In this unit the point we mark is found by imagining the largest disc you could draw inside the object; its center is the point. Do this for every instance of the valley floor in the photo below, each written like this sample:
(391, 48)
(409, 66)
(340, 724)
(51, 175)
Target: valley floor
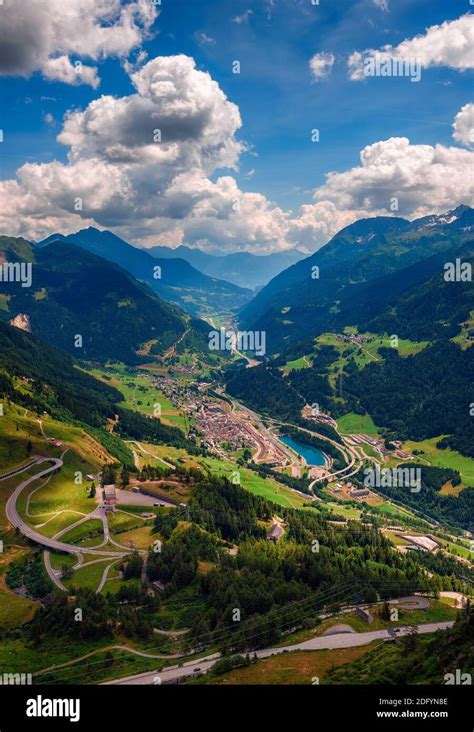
(85, 542)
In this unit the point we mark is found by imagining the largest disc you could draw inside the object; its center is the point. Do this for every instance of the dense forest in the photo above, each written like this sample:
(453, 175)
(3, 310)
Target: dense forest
(76, 292)
(425, 395)
(273, 587)
(426, 311)
(455, 512)
(267, 389)
(264, 389)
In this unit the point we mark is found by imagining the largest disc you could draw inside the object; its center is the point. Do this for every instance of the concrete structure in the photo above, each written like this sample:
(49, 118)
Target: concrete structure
(160, 498)
(364, 614)
(360, 493)
(422, 542)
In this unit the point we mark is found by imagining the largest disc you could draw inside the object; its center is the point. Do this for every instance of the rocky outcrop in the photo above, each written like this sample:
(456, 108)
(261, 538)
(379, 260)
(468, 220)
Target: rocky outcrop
(21, 321)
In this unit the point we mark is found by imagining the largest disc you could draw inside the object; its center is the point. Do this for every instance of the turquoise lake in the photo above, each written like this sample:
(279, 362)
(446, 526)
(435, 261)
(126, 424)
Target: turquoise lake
(310, 454)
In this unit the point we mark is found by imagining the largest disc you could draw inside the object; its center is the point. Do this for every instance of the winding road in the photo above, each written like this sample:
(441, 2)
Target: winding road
(338, 640)
(17, 522)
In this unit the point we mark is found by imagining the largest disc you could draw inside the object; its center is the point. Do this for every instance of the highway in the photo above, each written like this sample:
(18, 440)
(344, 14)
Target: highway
(54, 575)
(339, 640)
(17, 522)
(347, 451)
(21, 469)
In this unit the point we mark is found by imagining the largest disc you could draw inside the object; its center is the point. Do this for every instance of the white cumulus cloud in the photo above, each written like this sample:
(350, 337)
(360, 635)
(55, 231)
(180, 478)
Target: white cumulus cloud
(382, 4)
(450, 44)
(154, 165)
(141, 164)
(52, 36)
(204, 39)
(422, 178)
(321, 65)
(244, 18)
(394, 178)
(317, 223)
(464, 125)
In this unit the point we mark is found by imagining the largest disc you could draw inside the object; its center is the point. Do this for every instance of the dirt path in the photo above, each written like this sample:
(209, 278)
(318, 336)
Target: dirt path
(172, 350)
(104, 577)
(155, 457)
(127, 649)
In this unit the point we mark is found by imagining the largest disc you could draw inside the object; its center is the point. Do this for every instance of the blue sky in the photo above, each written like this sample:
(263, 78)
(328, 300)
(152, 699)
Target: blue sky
(279, 101)
(279, 105)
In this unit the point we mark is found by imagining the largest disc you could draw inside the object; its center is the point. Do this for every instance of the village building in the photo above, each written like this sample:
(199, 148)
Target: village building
(360, 493)
(276, 532)
(110, 496)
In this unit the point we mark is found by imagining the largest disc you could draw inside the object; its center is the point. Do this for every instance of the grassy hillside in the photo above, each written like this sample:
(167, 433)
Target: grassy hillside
(22, 434)
(43, 379)
(414, 660)
(139, 393)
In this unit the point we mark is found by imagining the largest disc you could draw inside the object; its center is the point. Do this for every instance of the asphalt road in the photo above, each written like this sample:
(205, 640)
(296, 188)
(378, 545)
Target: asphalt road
(16, 520)
(21, 469)
(54, 575)
(340, 640)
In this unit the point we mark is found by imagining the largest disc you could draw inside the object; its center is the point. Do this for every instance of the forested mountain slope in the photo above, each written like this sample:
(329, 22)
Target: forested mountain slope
(365, 262)
(88, 306)
(43, 378)
(176, 281)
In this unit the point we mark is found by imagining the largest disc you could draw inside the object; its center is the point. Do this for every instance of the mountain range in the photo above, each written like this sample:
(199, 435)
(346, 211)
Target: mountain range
(90, 307)
(389, 280)
(244, 269)
(174, 279)
(354, 276)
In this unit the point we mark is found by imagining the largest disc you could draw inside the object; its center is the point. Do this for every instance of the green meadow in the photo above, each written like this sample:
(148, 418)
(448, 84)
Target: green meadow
(443, 458)
(352, 423)
(140, 395)
(266, 487)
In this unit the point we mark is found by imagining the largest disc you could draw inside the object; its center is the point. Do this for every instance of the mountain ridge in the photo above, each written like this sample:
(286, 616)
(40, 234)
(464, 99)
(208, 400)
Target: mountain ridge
(174, 279)
(302, 299)
(244, 269)
(76, 293)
